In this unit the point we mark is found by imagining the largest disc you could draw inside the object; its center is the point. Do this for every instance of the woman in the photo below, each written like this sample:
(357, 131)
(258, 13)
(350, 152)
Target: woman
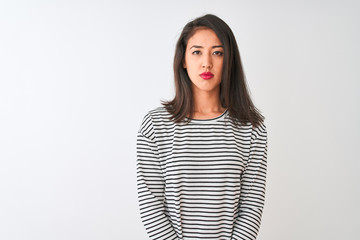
(201, 158)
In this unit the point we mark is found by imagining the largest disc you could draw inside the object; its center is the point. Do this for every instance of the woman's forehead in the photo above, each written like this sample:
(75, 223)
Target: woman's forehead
(204, 37)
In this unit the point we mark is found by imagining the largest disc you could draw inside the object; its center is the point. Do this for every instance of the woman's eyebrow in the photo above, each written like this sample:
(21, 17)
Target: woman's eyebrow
(196, 46)
(216, 46)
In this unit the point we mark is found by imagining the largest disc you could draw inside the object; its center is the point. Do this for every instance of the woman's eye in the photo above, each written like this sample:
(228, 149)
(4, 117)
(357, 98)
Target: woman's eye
(196, 52)
(218, 53)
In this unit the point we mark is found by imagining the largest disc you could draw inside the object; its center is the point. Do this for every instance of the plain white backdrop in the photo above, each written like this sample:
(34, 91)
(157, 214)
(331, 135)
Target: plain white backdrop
(77, 77)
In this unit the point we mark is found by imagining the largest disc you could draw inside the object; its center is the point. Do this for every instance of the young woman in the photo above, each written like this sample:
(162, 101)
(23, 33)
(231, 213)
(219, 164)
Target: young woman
(201, 158)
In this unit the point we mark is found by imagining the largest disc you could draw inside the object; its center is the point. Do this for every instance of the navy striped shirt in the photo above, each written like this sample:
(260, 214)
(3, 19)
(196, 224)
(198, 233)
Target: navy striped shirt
(202, 180)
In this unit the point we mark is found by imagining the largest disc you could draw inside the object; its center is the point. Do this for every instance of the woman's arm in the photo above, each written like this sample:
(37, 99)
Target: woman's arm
(151, 185)
(252, 195)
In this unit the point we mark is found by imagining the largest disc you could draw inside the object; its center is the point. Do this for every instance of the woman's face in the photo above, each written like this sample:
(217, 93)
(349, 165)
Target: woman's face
(204, 60)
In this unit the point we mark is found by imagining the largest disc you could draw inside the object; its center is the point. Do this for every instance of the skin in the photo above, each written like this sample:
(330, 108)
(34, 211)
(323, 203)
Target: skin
(204, 53)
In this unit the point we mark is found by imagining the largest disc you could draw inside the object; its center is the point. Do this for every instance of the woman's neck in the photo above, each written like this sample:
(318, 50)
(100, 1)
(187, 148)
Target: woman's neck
(207, 102)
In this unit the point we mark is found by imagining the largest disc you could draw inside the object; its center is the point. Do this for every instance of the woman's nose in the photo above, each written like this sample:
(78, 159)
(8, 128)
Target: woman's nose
(207, 64)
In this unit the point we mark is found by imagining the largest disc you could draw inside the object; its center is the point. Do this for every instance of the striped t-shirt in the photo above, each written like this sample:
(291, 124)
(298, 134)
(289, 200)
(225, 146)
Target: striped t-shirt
(201, 180)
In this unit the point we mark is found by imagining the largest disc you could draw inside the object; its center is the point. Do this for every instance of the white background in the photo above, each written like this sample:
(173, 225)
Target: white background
(77, 77)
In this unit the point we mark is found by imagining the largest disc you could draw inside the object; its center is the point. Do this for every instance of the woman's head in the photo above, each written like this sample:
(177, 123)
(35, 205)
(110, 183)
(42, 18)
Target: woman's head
(234, 94)
(203, 62)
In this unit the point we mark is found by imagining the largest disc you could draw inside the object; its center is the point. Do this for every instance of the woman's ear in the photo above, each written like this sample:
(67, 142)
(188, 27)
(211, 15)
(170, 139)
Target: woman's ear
(184, 64)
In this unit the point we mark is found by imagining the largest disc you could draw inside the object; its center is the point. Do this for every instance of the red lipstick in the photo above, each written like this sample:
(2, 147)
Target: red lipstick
(206, 75)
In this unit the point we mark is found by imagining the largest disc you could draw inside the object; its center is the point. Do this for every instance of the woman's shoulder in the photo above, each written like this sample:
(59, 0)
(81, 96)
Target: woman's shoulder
(154, 115)
(158, 111)
(157, 114)
(153, 120)
(259, 130)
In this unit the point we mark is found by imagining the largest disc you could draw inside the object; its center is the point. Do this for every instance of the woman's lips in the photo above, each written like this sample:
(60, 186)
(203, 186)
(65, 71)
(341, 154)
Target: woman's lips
(206, 75)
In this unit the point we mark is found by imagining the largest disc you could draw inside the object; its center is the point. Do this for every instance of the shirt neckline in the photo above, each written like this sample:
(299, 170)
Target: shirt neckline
(209, 119)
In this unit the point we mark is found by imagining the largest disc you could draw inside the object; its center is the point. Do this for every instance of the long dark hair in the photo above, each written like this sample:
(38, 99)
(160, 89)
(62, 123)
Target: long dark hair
(234, 94)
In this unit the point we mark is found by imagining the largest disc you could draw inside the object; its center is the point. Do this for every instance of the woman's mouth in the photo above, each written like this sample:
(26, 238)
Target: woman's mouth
(206, 75)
